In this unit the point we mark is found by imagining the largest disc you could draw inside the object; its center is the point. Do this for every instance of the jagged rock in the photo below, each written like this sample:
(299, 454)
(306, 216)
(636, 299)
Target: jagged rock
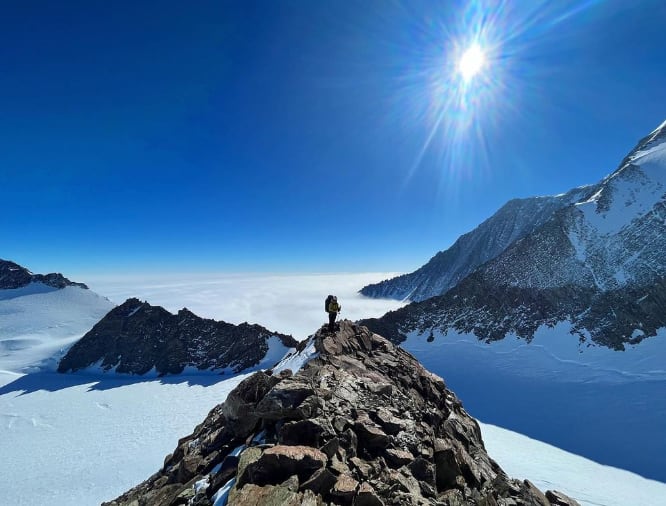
(269, 495)
(13, 276)
(351, 448)
(558, 499)
(281, 461)
(136, 337)
(305, 432)
(366, 496)
(320, 482)
(344, 488)
(240, 406)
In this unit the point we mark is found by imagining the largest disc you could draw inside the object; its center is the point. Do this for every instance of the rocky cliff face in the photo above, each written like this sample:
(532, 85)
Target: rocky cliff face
(361, 424)
(136, 337)
(13, 276)
(516, 219)
(597, 263)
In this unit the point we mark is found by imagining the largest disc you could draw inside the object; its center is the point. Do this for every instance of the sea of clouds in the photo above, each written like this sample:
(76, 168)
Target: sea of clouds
(291, 304)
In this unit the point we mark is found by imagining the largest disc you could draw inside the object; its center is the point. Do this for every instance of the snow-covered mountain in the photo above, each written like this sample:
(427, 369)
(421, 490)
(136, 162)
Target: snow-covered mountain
(605, 236)
(137, 337)
(597, 263)
(516, 219)
(13, 276)
(43, 314)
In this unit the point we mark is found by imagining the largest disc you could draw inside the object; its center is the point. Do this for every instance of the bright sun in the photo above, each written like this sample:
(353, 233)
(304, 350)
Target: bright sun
(471, 62)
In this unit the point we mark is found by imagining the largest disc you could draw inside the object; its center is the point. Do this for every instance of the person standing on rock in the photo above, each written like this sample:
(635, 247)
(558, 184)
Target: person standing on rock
(332, 308)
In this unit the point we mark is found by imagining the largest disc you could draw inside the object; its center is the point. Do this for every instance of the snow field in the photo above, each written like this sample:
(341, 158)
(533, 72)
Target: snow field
(77, 439)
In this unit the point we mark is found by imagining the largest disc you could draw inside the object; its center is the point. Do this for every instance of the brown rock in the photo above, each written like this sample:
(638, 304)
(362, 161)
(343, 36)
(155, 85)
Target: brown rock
(422, 470)
(366, 496)
(344, 488)
(239, 408)
(321, 482)
(389, 423)
(398, 458)
(278, 463)
(538, 498)
(283, 400)
(559, 499)
(304, 432)
(331, 447)
(370, 435)
(253, 495)
(378, 417)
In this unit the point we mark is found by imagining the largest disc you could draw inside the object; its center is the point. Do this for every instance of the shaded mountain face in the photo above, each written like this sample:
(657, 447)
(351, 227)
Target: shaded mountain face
(13, 276)
(516, 219)
(136, 337)
(597, 263)
(608, 235)
(363, 423)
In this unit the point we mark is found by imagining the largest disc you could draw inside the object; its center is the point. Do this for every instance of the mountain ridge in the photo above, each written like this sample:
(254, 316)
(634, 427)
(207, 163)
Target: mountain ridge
(13, 275)
(584, 213)
(448, 267)
(136, 337)
(361, 422)
(597, 263)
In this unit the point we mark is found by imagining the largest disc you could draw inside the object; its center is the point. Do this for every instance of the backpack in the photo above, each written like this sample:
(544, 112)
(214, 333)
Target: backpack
(329, 299)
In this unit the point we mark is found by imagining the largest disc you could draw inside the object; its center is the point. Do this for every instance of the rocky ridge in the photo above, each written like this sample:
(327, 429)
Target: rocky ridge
(136, 337)
(515, 220)
(13, 276)
(362, 423)
(597, 264)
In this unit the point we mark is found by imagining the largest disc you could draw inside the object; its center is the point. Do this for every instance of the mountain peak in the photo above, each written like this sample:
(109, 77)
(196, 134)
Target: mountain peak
(13, 276)
(361, 423)
(137, 337)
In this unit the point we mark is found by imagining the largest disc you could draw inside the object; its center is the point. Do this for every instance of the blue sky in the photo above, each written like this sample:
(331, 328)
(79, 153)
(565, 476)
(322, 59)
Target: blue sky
(304, 136)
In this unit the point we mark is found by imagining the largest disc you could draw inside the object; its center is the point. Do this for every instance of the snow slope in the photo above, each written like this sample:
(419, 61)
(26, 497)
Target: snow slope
(77, 439)
(39, 320)
(591, 484)
(606, 405)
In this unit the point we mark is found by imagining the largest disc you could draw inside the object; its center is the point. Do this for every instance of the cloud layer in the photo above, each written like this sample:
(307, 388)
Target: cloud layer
(292, 304)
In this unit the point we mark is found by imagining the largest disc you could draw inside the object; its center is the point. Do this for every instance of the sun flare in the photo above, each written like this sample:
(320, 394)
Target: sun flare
(471, 62)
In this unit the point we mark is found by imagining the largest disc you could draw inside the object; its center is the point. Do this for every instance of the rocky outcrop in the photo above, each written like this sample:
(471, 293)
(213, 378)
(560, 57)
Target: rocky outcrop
(14, 276)
(613, 318)
(136, 337)
(361, 424)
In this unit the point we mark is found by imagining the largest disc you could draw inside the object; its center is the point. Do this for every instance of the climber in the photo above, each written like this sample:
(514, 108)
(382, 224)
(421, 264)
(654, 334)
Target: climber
(332, 308)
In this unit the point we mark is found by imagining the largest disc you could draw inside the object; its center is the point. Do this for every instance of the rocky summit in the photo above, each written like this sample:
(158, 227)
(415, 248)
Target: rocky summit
(13, 276)
(136, 337)
(362, 423)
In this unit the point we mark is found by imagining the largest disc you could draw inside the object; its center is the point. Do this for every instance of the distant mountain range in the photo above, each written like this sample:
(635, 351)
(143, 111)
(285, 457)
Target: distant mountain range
(593, 257)
(13, 276)
(41, 314)
(136, 338)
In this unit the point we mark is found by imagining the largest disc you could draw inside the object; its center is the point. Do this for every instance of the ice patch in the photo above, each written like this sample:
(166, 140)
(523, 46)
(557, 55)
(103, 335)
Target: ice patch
(295, 361)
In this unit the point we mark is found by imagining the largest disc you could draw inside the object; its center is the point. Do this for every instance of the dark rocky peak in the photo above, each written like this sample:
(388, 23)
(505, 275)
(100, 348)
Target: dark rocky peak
(137, 337)
(12, 276)
(361, 424)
